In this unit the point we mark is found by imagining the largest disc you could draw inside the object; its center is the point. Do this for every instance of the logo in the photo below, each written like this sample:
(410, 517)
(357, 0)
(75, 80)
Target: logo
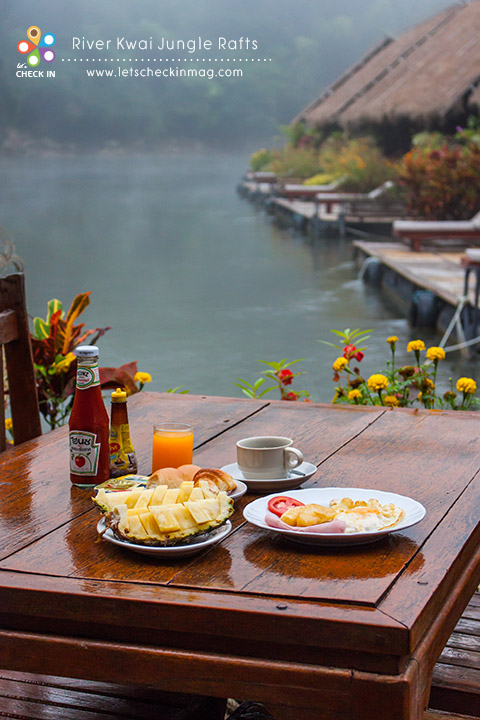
(37, 47)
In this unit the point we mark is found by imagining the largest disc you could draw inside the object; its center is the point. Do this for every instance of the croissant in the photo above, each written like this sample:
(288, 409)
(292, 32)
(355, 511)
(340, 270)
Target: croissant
(216, 479)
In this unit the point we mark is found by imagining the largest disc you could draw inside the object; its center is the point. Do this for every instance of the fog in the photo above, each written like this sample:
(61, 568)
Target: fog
(290, 50)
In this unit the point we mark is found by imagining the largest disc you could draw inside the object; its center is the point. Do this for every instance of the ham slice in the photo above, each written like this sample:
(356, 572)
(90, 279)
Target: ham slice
(334, 526)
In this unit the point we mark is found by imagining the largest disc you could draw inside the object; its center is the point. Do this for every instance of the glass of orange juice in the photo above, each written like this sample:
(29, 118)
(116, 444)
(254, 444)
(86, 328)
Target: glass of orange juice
(172, 445)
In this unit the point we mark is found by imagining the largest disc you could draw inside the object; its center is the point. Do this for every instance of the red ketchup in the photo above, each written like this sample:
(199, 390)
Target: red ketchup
(88, 424)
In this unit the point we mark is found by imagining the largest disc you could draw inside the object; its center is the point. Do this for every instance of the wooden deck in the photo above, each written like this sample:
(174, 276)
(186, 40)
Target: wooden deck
(456, 677)
(439, 272)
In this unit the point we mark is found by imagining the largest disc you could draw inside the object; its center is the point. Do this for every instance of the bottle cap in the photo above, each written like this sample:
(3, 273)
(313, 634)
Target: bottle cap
(119, 395)
(86, 351)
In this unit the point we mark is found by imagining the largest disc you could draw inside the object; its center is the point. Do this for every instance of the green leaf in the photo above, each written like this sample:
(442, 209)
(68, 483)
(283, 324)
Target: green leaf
(54, 306)
(41, 330)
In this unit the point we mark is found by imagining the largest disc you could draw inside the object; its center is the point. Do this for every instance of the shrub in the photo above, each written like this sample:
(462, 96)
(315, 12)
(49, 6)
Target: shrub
(444, 183)
(260, 159)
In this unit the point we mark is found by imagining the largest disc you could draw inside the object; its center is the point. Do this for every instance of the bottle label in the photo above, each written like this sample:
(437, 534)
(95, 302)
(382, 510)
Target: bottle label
(84, 452)
(87, 377)
(122, 454)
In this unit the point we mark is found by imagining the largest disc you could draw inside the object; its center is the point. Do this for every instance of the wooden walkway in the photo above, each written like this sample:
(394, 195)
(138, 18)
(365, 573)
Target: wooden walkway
(456, 678)
(440, 272)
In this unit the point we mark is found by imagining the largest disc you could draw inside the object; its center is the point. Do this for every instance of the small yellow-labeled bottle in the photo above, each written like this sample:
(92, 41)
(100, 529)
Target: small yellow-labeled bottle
(123, 460)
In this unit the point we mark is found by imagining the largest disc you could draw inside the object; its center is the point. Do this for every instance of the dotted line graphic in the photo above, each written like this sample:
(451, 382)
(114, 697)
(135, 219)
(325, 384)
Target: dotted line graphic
(167, 60)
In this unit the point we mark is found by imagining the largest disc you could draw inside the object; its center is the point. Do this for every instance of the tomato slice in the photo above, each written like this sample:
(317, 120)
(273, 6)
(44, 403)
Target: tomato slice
(280, 503)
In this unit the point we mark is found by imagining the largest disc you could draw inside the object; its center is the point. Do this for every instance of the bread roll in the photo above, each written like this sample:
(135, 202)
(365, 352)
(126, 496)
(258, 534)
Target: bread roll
(217, 479)
(189, 471)
(166, 476)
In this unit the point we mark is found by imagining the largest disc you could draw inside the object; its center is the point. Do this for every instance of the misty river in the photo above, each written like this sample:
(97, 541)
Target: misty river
(196, 283)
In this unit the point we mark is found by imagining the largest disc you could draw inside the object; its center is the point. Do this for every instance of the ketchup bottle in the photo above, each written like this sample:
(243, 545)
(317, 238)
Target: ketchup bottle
(88, 424)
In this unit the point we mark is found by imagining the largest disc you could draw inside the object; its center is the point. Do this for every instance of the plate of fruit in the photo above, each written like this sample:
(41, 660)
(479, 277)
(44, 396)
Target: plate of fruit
(163, 517)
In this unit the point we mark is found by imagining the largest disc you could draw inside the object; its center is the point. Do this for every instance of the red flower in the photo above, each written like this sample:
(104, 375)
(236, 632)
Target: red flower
(306, 400)
(349, 351)
(291, 396)
(359, 356)
(285, 376)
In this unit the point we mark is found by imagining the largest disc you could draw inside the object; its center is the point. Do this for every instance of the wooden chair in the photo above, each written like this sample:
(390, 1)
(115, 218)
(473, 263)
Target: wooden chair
(15, 339)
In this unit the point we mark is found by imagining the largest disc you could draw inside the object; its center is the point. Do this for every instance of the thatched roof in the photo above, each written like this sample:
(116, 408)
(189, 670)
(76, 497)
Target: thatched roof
(430, 70)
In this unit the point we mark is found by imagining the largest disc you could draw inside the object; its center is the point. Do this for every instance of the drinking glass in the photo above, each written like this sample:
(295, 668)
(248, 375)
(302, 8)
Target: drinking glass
(172, 445)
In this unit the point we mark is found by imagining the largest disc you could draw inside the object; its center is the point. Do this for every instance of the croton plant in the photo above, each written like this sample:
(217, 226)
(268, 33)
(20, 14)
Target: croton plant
(54, 340)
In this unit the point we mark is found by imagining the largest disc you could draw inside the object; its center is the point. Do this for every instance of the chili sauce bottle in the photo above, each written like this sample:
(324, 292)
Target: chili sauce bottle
(88, 424)
(123, 460)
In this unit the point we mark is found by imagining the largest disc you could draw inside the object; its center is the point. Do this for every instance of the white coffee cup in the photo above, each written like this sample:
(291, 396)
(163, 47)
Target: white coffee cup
(267, 457)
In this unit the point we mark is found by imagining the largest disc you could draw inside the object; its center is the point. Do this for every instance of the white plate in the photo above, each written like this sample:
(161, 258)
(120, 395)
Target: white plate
(239, 491)
(292, 481)
(176, 551)
(255, 511)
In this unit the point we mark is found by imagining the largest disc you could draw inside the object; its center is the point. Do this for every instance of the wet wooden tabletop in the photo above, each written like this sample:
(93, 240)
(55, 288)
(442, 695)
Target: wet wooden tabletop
(324, 630)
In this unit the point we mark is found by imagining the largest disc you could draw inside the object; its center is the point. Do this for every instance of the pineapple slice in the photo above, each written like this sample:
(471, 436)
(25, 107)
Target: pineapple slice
(150, 525)
(136, 529)
(185, 491)
(166, 520)
(158, 495)
(207, 492)
(106, 501)
(144, 499)
(197, 511)
(184, 518)
(171, 496)
(197, 494)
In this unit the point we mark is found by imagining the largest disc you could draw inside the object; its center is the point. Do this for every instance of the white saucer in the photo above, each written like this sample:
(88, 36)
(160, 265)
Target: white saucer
(293, 480)
(239, 491)
(195, 546)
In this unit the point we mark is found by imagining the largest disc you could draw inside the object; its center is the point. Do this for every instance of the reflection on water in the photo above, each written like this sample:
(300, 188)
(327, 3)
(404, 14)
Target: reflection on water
(197, 283)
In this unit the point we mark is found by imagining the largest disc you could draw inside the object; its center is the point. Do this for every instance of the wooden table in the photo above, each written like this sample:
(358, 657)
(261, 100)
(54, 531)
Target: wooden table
(315, 633)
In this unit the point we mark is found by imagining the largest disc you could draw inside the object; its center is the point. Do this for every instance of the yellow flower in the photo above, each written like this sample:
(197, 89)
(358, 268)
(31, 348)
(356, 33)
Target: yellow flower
(392, 340)
(354, 394)
(429, 384)
(435, 353)
(339, 364)
(142, 377)
(466, 385)
(391, 401)
(377, 382)
(8, 424)
(415, 345)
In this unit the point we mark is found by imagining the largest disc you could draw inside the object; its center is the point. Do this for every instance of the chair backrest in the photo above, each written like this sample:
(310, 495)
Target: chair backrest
(15, 339)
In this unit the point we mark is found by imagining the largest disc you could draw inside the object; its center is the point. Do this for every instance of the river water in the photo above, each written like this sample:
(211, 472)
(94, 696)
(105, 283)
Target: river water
(196, 282)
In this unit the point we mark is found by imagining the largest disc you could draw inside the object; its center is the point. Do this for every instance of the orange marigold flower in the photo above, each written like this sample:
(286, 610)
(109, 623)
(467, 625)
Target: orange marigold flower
(466, 385)
(377, 382)
(435, 353)
(415, 345)
(391, 401)
(339, 364)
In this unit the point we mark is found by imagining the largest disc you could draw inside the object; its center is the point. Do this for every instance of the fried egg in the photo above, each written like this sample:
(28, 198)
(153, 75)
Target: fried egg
(370, 519)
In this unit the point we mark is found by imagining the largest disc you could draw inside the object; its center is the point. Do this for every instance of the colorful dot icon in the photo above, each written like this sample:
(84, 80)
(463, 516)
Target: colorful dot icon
(37, 46)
